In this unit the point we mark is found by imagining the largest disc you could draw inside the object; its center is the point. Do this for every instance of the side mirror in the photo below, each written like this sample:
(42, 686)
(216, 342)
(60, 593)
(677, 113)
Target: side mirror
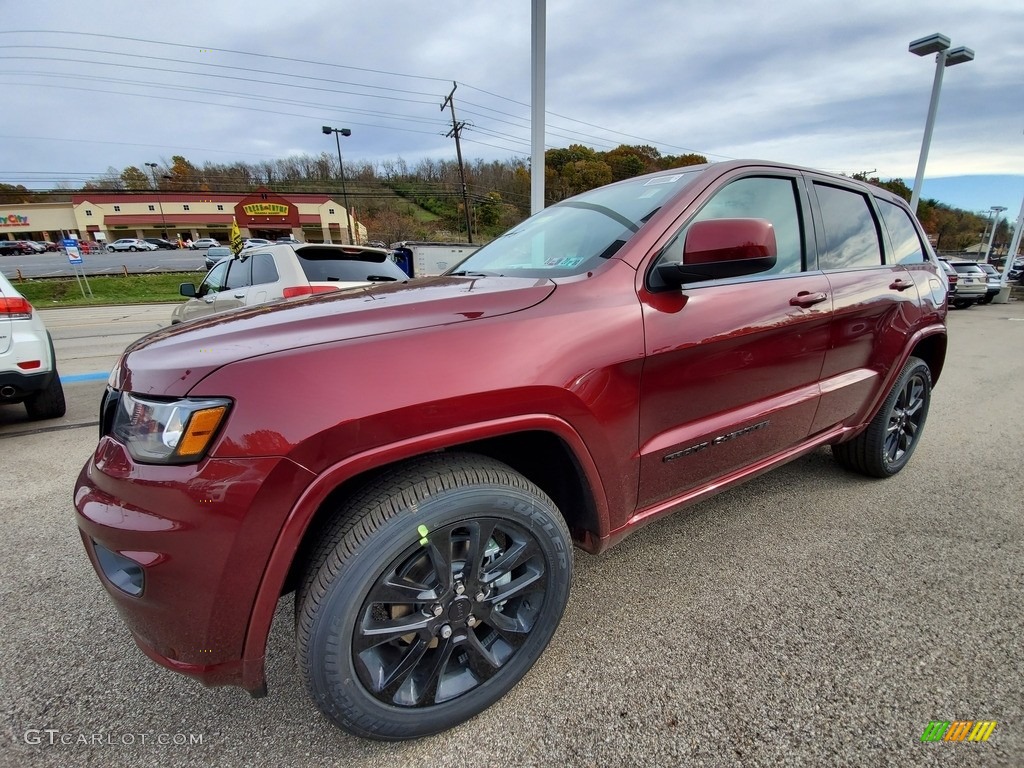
(187, 289)
(723, 248)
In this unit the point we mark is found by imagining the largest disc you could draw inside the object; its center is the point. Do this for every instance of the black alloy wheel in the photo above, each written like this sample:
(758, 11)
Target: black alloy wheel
(432, 595)
(885, 447)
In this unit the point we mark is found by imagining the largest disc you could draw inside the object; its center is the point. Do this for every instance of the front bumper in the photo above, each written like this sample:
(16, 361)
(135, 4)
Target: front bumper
(201, 536)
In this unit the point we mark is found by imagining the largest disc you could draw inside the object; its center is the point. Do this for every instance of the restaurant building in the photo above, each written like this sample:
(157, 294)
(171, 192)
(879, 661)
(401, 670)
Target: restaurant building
(108, 216)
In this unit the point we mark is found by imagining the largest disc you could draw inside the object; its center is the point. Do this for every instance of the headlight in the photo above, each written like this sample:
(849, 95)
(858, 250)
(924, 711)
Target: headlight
(168, 431)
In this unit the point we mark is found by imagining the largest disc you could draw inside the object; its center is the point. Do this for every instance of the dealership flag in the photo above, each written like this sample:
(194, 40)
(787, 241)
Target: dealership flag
(236, 237)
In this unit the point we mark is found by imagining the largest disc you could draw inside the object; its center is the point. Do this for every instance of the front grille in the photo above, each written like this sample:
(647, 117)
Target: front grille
(108, 409)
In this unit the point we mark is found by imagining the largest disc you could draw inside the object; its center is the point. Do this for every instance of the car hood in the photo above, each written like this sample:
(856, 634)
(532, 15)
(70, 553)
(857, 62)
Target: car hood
(173, 360)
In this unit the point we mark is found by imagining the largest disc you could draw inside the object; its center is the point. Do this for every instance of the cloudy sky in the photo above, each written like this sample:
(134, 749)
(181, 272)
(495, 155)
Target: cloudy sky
(820, 83)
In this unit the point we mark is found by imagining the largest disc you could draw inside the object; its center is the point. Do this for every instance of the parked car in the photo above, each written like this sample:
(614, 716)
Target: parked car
(283, 272)
(48, 245)
(161, 243)
(972, 284)
(28, 366)
(416, 459)
(255, 242)
(951, 280)
(216, 253)
(12, 247)
(203, 242)
(994, 284)
(287, 239)
(130, 244)
(35, 247)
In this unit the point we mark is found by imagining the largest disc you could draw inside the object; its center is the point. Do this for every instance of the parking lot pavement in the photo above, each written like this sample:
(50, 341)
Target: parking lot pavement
(810, 617)
(88, 340)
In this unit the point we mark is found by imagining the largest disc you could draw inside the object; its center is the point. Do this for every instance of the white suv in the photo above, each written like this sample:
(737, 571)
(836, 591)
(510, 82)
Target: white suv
(131, 244)
(28, 367)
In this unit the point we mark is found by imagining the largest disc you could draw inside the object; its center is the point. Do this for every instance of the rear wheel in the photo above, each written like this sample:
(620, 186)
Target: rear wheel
(431, 595)
(885, 447)
(47, 403)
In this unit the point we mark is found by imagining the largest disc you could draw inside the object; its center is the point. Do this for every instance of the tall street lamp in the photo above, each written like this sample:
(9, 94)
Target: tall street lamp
(163, 221)
(996, 210)
(939, 45)
(341, 166)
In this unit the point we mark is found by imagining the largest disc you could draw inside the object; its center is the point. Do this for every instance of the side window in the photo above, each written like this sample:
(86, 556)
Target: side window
(239, 273)
(851, 235)
(756, 197)
(263, 269)
(906, 244)
(215, 281)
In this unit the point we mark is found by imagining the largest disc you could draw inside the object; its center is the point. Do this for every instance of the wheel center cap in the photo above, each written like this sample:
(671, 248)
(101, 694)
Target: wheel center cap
(460, 609)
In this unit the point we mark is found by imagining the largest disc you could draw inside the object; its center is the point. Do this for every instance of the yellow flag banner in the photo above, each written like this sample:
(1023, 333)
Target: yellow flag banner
(236, 237)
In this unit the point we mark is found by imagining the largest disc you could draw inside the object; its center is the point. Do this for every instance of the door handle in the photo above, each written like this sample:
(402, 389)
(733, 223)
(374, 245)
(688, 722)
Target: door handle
(210, 299)
(239, 295)
(807, 299)
(901, 285)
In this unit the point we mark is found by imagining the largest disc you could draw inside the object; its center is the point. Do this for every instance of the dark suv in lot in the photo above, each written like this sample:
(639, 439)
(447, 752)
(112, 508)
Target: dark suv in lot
(416, 460)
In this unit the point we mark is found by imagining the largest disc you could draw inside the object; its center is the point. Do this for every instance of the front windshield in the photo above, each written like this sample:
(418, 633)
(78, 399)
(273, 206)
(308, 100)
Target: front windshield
(574, 236)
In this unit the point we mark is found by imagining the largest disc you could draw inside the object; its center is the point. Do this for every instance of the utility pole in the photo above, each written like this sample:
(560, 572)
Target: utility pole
(455, 131)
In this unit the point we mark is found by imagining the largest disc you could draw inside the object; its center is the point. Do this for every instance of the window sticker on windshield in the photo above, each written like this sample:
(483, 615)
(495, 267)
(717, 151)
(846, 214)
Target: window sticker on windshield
(664, 180)
(565, 262)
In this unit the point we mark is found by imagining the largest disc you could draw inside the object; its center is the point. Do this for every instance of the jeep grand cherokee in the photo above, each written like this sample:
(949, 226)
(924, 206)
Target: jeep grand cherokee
(416, 459)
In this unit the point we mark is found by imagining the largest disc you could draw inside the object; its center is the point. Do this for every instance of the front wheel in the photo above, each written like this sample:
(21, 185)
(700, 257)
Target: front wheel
(885, 447)
(431, 595)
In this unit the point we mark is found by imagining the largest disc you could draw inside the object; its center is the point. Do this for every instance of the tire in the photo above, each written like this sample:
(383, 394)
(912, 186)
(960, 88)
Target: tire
(47, 403)
(885, 447)
(430, 595)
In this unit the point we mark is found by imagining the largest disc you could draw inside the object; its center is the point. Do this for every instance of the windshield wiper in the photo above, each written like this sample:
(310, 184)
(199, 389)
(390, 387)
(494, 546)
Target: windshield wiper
(464, 273)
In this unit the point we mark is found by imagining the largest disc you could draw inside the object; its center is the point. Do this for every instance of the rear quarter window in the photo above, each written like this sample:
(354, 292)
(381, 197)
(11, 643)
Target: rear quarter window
(906, 245)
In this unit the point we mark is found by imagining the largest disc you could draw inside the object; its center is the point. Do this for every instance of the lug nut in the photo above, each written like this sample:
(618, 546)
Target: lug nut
(471, 621)
(459, 588)
(437, 610)
(446, 631)
(480, 597)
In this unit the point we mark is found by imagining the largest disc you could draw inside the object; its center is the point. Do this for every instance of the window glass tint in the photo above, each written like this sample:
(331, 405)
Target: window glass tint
(906, 245)
(968, 269)
(263, 269)
(851, 238)
(774, 199)
(214, 281)
(239, 273)
(325, 267)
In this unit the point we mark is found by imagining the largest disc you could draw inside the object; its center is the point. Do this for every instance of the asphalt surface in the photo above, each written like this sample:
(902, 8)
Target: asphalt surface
(55, 263)
(810, 617)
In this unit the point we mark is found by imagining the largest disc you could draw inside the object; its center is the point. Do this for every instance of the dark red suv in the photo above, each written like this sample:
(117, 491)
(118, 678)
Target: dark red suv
(416, 460)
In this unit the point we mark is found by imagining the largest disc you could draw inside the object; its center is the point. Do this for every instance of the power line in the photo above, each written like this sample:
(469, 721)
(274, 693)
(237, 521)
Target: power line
(221, 50)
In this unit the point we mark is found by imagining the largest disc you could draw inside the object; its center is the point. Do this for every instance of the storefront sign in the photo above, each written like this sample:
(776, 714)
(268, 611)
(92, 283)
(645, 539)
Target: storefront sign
(13, 220)
(265, 209)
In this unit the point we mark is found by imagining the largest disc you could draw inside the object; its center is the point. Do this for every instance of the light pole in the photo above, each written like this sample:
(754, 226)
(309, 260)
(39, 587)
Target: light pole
(163, 221)
(996, 210)
(341, 167)
(939, 45)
